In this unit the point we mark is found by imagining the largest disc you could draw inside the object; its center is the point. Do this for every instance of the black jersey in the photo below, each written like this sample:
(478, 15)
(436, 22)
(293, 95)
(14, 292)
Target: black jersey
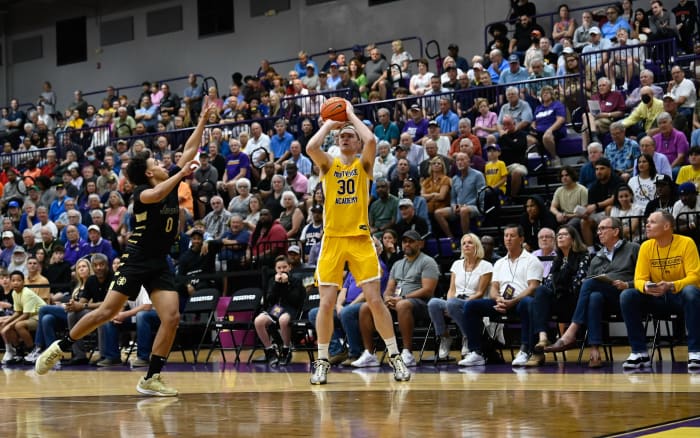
(156, 225)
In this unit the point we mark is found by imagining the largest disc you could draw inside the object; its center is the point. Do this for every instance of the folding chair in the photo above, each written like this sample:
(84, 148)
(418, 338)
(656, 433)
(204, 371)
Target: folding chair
(303, 331)
(237, 322)
(198, 315)
(675, 331)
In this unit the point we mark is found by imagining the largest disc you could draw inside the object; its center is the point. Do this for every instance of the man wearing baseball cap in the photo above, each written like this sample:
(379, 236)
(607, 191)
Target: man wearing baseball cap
(412, 282)
(8, 245)
(665, 195)
(687, 203)
(594, 63)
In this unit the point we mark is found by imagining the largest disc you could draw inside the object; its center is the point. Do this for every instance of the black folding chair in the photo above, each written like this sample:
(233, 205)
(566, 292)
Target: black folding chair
(198, 315)
(239, 318)
(303, 331)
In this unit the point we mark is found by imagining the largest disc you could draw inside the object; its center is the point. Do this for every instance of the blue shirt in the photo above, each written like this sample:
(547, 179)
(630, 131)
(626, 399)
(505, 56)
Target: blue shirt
(465, 188)
(388, 133)
(303, 165)
(280, 145)
(502, 68)
(623, 158)
(448, 122)
(609, 30)
(508, 77)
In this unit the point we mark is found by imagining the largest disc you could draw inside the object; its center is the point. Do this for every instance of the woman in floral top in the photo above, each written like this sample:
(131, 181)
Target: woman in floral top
(559, 291)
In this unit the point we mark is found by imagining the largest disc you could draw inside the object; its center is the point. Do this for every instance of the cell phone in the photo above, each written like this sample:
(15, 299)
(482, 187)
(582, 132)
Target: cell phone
(650, 284)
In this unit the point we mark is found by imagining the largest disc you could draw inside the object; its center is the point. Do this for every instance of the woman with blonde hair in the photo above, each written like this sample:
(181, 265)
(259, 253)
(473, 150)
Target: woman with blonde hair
(114, 210)
(436, 187)
(470, 277)
(291, 217)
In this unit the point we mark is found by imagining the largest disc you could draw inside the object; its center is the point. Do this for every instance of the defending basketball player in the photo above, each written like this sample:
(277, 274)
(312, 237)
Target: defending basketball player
(346, 236)
(144, 263)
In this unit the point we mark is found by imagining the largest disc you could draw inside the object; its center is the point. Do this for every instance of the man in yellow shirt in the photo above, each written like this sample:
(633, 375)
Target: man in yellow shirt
(665, 281)
(690, 172)
(646, 112)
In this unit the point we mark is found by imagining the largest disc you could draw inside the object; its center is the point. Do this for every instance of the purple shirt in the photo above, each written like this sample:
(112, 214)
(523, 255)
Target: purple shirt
(672, 146)
(545, 116)
(417, 130)
(234, 164)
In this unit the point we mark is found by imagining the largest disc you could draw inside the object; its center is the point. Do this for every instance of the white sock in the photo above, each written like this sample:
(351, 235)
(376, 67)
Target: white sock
(391, 346)
(323, 351)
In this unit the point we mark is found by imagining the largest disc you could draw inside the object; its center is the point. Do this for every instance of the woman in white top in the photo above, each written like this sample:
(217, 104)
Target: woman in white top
(643, 183)
(623, 207)
(470, 277)
(420, 82)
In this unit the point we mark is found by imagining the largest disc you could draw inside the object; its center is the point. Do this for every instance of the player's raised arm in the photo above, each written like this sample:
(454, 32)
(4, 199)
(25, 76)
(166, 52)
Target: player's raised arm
(322, 158)
(369, 141)
(193, 143)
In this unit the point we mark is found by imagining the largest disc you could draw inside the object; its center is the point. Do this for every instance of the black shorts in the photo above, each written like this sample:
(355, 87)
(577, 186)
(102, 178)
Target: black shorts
(136, 271)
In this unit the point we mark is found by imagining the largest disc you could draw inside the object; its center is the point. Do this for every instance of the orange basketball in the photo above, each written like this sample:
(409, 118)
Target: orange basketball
(334, 109)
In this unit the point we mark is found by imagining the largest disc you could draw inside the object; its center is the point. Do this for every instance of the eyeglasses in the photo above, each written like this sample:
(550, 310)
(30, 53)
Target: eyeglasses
(602, 228)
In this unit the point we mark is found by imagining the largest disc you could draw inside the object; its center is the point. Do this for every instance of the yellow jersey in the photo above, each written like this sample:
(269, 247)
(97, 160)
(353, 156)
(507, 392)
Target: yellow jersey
(346, 190)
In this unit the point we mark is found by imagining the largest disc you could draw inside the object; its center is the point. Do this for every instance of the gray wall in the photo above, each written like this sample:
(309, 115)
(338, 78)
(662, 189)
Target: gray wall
(312, 28)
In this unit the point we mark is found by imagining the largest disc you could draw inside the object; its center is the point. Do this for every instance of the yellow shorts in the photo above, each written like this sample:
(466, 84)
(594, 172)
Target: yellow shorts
(357, 251)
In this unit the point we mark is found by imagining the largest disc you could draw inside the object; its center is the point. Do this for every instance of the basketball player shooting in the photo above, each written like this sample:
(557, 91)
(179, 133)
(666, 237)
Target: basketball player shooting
(346, 235)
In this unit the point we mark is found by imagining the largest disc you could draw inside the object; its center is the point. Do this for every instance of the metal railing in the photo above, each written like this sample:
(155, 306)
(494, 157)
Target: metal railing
(379, 44)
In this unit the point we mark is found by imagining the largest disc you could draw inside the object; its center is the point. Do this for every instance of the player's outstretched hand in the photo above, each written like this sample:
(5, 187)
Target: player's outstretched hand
(208, 109)
(190, 167)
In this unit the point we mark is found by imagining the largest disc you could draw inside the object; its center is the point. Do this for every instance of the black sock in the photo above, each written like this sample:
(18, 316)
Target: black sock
(155, 365)
(66, 343)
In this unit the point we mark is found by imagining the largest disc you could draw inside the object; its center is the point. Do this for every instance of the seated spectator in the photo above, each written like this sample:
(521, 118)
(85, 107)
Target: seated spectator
(600, 198)
(587, 172)
(666, 195)
(567, 197)
(98, 245)
(465, 131)
(662, 286)
(386, 130)
(417, 125)
(420, 82)
(510, 293)
(412, 283)
(75, 247)
(383, 210)
(409, 220)
(683, 91)
(564, 28)
(465, 188)
(469, 279)
(514, 73)
(96, 287)
(582, 36)
(401, 172)
(268, 240)
(546, 240)
(671, 142)
(296, 180)
(435, 188)
(239, 203)
(624, 63)
(616, 261)
(598, 46)
(535, 218)
(18, 328)
(662, 23)
(643, 183)
(687, 203)
(622, 151)
(560, 288)
(216, 221)
(549, 126)
(646, 79)
(253, 215)
(538, 71)
(234, 241)
(313, 231)
(198, 262)
(612, 108)
(648, 146)
(645, 113)
(282, 303)
(291, 218)
(486, 122)
(384, 160)
(690, 172)
(680, 122)
(623, 207)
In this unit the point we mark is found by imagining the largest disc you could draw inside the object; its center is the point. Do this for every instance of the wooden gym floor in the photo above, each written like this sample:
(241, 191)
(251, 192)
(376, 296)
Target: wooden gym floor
(226, 400)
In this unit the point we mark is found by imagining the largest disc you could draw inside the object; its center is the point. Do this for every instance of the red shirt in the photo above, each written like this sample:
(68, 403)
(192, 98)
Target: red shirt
(613, 101)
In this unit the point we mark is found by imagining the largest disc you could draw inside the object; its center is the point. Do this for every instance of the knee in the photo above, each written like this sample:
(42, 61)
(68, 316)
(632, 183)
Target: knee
(690, 294)
(435, 304)
(629, 296)
(285, 319)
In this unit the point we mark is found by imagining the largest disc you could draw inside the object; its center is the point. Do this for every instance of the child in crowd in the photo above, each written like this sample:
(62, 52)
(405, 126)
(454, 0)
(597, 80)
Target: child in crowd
(495, 170)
